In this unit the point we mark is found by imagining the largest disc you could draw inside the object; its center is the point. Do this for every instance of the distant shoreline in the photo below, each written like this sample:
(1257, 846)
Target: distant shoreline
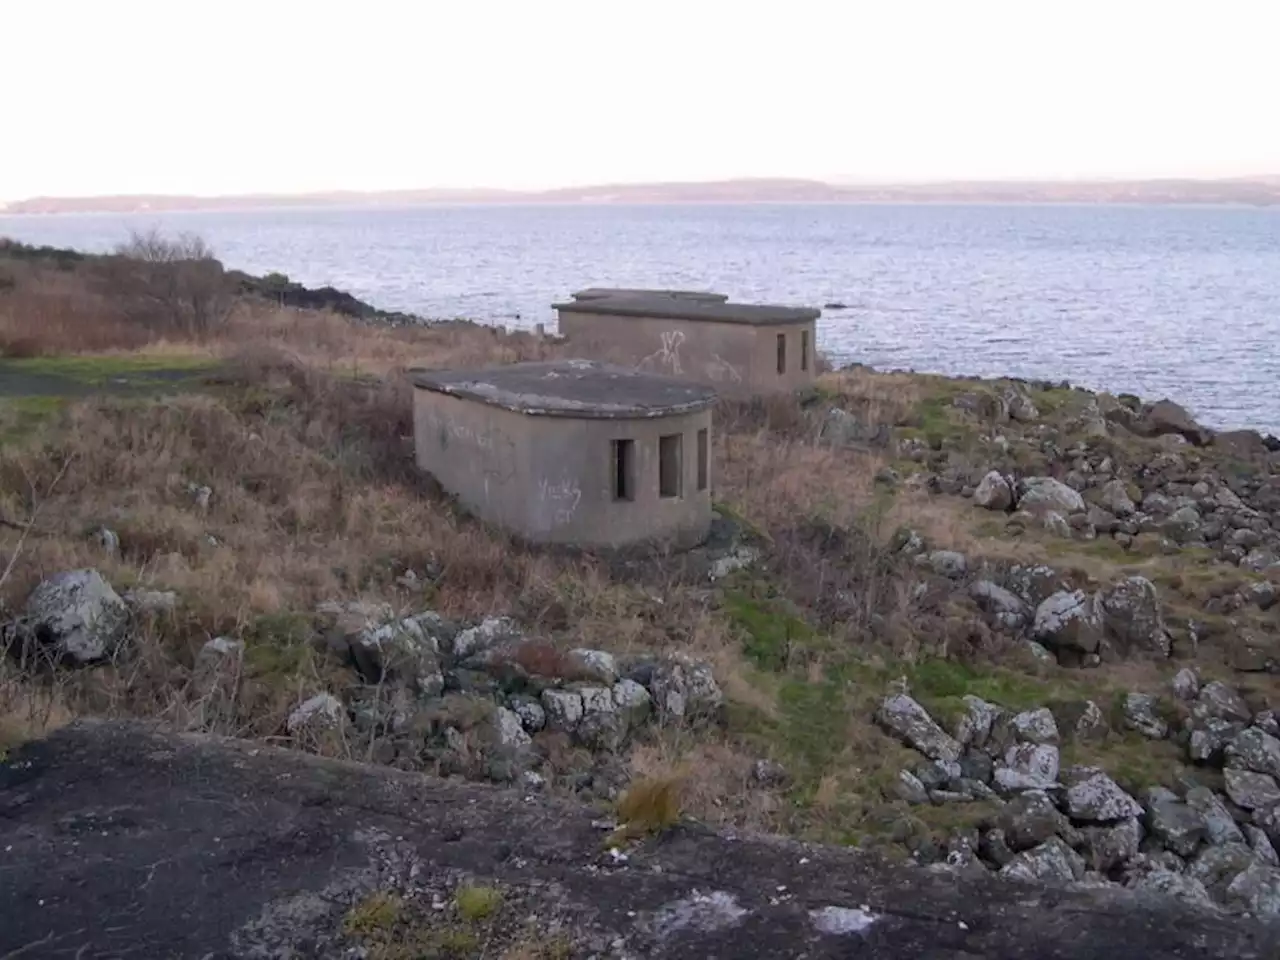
(1255, 192)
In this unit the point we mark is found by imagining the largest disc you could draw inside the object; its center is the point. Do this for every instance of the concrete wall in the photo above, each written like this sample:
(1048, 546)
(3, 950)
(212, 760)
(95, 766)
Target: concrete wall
(550, 479)
(739, 359)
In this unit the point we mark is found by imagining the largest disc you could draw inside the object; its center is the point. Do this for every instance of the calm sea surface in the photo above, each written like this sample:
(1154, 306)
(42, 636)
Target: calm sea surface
(1160, 301)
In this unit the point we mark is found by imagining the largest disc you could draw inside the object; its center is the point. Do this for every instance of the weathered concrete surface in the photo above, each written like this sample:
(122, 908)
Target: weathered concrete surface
(570, 388)
(119, 840)
(551, 479)
(663, 305)
(599, 293)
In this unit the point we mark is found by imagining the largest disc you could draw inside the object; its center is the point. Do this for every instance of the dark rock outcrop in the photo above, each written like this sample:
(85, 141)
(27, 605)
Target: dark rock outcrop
(119, 839)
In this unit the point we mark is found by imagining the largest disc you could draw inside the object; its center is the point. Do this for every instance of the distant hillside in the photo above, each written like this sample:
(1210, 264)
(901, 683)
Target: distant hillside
(1261, 191)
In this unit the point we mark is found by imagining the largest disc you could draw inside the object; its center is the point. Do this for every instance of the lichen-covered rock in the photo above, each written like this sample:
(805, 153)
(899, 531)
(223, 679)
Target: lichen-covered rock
(633, 701)
(1249, 790)
(531, 713)
(1257, 890)
(1132, 619)
(1034, 583)
(406, 651)
(563, 709)
(1108, 847)
(975, 725)
(509, 732)
(322, 712)
(1030, 819)
(1176, 825)
(1187, 889)
(911, 723)
(1252, 749)
(1263, 849)
(484, 636)
(1099, 799)
(1217, 699)
(1082, 720)
(1051, 862)
(597, 665)
(911, 788)
(994, 492)
(1166, 418)
(1041, 495)
(76, 616)
(1069, 620)
(948, 563)
(1183, 525)
(1140, 714)
(1209, 738)
(1216, 867)
(1028, 766)
(686, 689)
(1114, 497)
(1005, 608)
(1185, 684)
(1220, 826)
(1035, 726)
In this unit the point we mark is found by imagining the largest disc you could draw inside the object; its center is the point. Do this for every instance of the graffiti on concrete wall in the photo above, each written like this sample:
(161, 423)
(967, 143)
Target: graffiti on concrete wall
(667, 357)
(561, 498)
(497, 461)
(720, 370)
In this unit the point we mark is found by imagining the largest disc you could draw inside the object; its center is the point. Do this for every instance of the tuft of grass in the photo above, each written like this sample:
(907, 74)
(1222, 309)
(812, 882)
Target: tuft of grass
(374, 916)
(651, 805)
(477, 903)
(770, 627)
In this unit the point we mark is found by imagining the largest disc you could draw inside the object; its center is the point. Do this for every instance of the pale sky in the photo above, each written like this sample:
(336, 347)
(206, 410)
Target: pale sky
(135, 96)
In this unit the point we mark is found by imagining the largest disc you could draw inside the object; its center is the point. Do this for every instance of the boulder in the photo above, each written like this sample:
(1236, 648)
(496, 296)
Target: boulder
(633, 701)
(1257, 890)
(975, 725)
(1099, 799)
(1176, 825)
(1263, 850)
(1053, 862)
(563, 709)
(1056, 524)
(1081, 720)
(1030, 819)
(1028, 766)
(1183, 526)
(531, 713)
(508, 730)
(484, 636)
(317, 714)
(911, 789)
(1132, 619)
(1249, 790)
(76, 616)
(1216, 867)
(908, 721)
(684, 688)
(1035, 726)
(1220, 826)
(1004, 608)
(1165, 418)
(1108, 847)
(1140, 714)
(1252, 749)
(1209, 738)
(994, 492)
(1217, 699)
(1069, 620)
(1020, 405)
(948, 563)
(597, 665)
(603, 725)
(1113, 496)
(1041, 495)
(841, 428)
(1186, 684)
(1167, 883)
(406, 651)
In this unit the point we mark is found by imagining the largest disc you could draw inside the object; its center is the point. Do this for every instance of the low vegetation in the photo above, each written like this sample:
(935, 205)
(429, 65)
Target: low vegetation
(256, 460)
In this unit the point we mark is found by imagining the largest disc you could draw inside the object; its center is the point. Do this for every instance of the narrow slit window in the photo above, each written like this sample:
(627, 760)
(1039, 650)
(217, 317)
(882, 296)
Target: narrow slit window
(669, 468)
(804, 349)
(623, 470)
(702, 459)
(782, 353)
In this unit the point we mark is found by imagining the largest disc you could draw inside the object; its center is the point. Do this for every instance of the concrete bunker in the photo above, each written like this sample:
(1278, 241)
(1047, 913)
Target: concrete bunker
(742, 349)
(571, 452)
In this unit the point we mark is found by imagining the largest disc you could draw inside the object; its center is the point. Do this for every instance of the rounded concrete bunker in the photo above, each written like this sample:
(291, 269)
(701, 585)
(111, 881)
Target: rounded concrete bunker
(572, 452)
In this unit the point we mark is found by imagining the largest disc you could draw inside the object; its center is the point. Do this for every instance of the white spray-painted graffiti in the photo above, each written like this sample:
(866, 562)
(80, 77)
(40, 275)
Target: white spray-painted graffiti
(718, 368)
(561, 498)
(498, 462)
(666, 357)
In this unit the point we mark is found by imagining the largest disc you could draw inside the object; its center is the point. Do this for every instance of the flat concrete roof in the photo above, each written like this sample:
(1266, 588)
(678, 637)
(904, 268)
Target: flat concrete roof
(598, 293)
(651, 305)
(584, 389)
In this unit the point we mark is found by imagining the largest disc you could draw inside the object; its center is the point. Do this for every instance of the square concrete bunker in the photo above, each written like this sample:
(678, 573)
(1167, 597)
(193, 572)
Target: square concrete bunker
(741, 349)
(571, 452)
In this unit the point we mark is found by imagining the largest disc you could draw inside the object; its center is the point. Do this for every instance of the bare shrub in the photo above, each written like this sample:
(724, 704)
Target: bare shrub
(171, 285)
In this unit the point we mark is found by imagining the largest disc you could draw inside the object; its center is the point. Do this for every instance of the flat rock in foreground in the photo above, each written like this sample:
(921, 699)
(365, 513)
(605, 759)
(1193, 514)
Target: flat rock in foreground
(121, 840)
